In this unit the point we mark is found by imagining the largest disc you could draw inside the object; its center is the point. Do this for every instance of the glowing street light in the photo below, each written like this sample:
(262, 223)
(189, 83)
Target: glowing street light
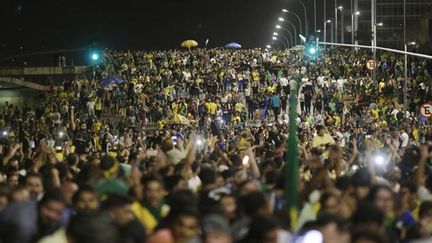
(357, 13)
(274, 38)
(380, 24)
(275, 34)
(268, 46)
(95, 57)
(278, 26)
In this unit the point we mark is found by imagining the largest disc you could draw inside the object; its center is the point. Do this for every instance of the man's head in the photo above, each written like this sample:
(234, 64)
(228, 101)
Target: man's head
(320, 130)
(51, 207)
(85, 200)
(91, 228)
(153, 190)
(118, 208)
(34, 184)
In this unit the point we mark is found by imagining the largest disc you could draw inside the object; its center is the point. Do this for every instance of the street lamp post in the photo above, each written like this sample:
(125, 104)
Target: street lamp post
(331, 30)
(283, 43)
(315, 29)
(298, 18)
(336, 19)
(340, 8)
(287, 31)
(292, 25)
(405, 86)
(305, 15)
(374, 35)
(289, 43)
(324, 20)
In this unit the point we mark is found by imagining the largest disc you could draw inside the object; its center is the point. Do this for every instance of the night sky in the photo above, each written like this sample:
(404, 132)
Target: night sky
(41, 25)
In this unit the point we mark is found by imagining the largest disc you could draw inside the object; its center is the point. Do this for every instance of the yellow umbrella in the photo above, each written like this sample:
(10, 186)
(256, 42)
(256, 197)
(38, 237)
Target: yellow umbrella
(189, 44)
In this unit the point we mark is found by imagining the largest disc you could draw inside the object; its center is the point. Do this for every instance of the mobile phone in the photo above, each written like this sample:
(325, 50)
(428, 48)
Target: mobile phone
(32, 144)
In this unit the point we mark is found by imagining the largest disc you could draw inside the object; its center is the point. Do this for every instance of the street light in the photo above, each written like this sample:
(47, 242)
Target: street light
(331, 30)
(276, 39)
(286, 11)
(340, 8)
(288, 43)
(380, 24)
(357, 13)
(305, 15)
(289, 33)
(295, 29)
(268, 46)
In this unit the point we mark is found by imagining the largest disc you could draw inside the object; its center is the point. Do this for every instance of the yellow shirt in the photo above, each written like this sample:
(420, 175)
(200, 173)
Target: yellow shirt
(174, 107)
(239, 107)
(337, 120)
(319, 141)
(212, 108)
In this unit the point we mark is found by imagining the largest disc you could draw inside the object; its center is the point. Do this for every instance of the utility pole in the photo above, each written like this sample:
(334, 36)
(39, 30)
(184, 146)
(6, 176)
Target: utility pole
(374, 36)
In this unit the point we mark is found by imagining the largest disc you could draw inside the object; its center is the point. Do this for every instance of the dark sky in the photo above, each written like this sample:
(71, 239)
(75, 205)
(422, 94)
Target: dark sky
(42, 25)
(144, 24)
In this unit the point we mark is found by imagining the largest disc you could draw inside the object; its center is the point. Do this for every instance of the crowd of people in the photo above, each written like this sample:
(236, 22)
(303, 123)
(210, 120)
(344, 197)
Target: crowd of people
(190, 146)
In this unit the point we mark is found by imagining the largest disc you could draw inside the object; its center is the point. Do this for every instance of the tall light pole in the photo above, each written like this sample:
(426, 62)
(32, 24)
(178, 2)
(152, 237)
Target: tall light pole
(276, 39)
(286, 30)
(336, 20)
(342, 32)
(298, 18)
(292, 25)
(356, 13)
(305, 15)
(374, 36)
(315, 16)
(331, 30)
(405, 87)
(324, 20)
(289, 43)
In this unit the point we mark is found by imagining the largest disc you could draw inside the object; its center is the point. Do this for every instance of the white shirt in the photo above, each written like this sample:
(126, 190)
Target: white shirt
(283, 82)
(405, 138)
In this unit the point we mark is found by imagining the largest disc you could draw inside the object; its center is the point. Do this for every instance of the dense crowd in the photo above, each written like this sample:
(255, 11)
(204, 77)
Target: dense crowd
(190, 146)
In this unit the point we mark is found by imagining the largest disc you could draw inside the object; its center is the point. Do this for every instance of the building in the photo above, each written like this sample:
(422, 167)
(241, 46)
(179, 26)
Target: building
(390, 22)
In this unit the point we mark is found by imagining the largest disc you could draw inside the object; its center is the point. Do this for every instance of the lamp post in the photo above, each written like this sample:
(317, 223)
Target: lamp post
(289, 43)
(298, 18)
(405, 86)
(374, 35)
(276, 39)
(340, 8)
(336, 19)
(286, 30)
(324, 20)
(305, 15)
(356, 13)
(331, 30)
(315, 16)
(295, 29)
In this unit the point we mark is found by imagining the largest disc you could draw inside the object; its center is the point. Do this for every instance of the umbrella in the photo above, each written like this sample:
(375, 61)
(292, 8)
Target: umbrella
(111, 80)
(233, 45)
(189, 44)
